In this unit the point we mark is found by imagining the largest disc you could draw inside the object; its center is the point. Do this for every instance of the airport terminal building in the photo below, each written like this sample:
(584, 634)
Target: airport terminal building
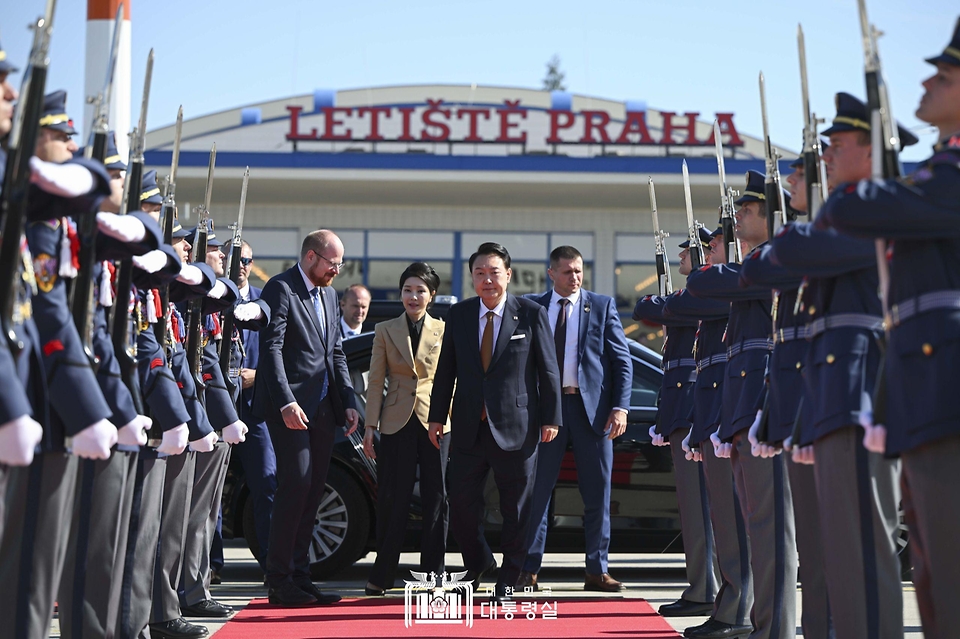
(429, 172)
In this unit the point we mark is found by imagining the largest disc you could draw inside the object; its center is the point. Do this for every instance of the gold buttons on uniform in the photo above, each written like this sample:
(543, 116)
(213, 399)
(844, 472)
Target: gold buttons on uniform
(743, 373)
(812, 310)
(927, 349)
(679, 384)
(714, 384)
(831, 359)
(798, 365)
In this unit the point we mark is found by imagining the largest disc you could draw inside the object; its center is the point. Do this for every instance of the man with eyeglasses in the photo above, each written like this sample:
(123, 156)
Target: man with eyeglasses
(303, 392)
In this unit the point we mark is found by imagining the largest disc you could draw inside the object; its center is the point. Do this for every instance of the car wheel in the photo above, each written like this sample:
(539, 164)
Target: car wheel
(342, 526)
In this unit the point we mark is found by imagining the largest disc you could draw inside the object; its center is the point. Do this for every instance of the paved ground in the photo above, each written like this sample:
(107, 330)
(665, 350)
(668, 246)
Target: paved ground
(656, 578)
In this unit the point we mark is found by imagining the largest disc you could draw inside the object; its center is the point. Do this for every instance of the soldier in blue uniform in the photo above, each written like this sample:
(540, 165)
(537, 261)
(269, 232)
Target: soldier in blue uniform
(39, 497)
(674, 421)
(90, 585)
(919, 214)
(762, 485)
(734, 599)
(785, 389)
(857, 492)
(220, 405)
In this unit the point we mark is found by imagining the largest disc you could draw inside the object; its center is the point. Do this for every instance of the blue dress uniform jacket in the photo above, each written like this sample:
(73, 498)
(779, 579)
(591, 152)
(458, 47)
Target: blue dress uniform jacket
(13, 399)
(841, 285)
(74, 394)
(784, 374)
(710, 354)
(921, 215)
(679, 367)
(219, 402)
(748, 341)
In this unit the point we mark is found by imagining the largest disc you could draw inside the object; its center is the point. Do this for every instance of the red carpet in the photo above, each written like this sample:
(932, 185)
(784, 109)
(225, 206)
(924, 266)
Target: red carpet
(580, 618)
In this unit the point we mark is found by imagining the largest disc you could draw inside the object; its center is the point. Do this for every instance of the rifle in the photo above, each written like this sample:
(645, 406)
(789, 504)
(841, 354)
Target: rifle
(233, 272)
(120, 334)
(663, 264)
(886, 165)
(81, 292)
(773, 191)
(198, 253)
(814, 170)
(727, 197)
(697, 258)
(16, 185)
(168, 216)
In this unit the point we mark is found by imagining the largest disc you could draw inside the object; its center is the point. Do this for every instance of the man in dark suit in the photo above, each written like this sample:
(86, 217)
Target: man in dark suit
(596, 375)
(302, 391)
(498, 353)
(256, 453)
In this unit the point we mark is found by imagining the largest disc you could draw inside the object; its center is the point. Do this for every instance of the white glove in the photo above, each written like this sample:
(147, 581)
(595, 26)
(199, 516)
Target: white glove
(205, 444)
(720, 449)
(65, 180)
(134, 432)
(874, 436)
(690, 453)
(803, 455)
(657, 437)
(174, 440)
(95, 441)
(758, 448)
(151, 262)
(18, 438)
(248, 312)
(219, 290)
(190, 274)
(125, 228)
(235, 433)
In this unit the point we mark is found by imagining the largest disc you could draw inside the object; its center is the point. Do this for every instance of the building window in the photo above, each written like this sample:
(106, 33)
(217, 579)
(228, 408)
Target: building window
(384, 277)
(634, 281)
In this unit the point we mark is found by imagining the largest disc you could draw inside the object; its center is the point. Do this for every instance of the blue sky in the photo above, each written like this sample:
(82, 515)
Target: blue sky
(681, 55)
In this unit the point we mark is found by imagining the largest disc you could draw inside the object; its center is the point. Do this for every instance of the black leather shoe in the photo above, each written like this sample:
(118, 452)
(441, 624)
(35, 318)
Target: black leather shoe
(476, 578)
(177, 629)
(713, 629)
(501, 594)
(373, 591)
(685, 608)
(323, 599)
(207, 608)
(288, 595)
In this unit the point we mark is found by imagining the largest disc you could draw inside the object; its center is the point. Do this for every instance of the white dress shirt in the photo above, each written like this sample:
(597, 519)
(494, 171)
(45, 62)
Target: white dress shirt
(571, 353)
(245, 292)
(346, 331)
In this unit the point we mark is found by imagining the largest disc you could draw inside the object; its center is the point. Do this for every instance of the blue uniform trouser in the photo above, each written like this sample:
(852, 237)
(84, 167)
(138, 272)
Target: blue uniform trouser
(259, 463)
(593, 454)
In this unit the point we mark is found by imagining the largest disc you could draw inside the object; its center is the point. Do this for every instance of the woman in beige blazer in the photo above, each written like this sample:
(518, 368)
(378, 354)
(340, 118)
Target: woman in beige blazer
(403, 362)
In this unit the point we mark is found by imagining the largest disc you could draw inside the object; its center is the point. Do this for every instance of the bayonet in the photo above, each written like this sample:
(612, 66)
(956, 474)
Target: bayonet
(96, 147)
(814, 170)
(696, 248)
(659, 236)
(727, 197)
(231, 373)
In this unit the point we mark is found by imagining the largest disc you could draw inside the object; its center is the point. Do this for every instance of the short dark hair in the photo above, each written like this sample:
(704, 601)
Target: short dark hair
(423, 271)
(563, 253)
(491, 248)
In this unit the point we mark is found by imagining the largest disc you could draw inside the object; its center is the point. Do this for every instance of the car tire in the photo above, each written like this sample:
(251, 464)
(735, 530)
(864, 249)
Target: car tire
(342, 526)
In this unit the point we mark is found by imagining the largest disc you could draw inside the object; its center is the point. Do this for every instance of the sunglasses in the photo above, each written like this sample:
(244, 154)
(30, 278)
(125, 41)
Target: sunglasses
(246, 261)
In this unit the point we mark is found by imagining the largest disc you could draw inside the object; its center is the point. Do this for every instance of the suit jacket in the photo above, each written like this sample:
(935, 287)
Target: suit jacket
(408, 377)
(521, 388)
(604, 357)
(294, 356)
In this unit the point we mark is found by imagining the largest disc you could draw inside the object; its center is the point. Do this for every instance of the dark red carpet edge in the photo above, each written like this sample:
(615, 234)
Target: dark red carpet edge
(580, 618)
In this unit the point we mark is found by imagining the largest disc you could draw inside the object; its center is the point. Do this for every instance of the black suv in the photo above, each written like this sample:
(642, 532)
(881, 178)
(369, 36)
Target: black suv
(643, 503)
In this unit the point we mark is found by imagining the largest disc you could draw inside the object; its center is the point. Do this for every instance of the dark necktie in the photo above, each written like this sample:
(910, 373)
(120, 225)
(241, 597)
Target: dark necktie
(560, 334)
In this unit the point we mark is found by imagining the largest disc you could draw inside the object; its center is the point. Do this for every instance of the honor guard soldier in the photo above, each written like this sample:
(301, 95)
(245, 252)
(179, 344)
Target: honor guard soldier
(40, 497)
(840, 303)
(762, 485)
(734, 600)
(211, 469)
(674, 421)
(90, 586)
(784, 392)
(919, 214)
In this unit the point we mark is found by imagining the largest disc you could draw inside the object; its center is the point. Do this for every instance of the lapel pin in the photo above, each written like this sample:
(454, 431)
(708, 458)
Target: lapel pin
(586, 308)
